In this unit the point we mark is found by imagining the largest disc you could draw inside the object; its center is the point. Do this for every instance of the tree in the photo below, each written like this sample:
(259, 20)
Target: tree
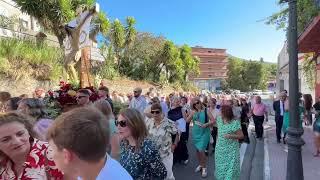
(145, 60)
(190, 63)
(117, 38)
(53, 15)
(235, 72)
(307, 9)
(248, 75)
(121, 39)
(261, 59)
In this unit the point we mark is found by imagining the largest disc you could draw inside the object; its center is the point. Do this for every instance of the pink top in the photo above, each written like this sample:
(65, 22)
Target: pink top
(259, 109)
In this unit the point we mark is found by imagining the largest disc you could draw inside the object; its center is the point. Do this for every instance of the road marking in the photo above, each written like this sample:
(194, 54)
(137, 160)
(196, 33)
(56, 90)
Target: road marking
(243, 149)
(266, 160)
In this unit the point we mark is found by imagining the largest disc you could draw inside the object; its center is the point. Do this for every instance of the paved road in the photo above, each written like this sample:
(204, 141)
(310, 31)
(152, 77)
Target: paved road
(186, 172)
(278, 155)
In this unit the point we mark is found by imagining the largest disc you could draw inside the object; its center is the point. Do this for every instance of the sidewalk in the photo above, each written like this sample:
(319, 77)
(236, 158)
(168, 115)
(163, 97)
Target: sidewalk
(277, 155)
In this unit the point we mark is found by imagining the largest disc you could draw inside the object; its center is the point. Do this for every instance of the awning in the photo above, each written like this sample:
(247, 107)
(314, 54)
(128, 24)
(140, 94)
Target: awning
(309, 40)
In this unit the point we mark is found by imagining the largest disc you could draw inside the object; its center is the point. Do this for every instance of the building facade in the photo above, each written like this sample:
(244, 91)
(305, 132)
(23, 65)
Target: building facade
(213, 68)
(283, 73)
(27, 27)
(25, 22)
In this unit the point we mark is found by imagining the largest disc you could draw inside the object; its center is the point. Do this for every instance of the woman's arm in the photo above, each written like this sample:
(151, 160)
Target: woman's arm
(212, 120)
(190, 116)
(237, 135)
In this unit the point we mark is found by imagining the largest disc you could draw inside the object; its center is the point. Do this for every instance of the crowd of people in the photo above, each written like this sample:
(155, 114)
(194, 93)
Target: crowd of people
(143, 141)
(306, 112)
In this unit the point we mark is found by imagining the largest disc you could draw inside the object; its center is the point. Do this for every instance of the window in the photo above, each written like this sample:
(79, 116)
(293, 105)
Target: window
(209, 51)
(23, 24)
(210, 75)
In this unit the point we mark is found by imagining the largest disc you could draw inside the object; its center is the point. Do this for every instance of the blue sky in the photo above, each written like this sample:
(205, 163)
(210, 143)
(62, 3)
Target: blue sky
(231, 24)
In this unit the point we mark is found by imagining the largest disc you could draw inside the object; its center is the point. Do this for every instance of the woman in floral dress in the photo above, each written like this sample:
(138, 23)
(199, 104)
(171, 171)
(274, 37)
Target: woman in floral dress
(21, 155)
(139, 154)
(227, 154)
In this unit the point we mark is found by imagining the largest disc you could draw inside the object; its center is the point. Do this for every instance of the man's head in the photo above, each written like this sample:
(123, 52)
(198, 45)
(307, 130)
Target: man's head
(137, 92)
(283, 96)
(103, 92)
(184, 100)
(258, 99)
(80, 135)
(83, 96)
(284, 91)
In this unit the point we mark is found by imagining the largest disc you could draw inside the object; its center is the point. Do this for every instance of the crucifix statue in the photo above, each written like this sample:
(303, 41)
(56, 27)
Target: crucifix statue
(77, 46)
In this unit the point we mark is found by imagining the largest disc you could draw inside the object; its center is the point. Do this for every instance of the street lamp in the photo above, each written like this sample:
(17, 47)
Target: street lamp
(295, 131)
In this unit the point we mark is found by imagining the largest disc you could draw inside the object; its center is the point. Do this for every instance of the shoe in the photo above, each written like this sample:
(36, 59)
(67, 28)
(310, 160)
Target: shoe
(204, 172)
(198, 169)
(247, 140)
(186, 162)
(206, 152)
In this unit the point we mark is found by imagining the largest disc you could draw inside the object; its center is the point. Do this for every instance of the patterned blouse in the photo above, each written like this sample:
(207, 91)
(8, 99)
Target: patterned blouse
(38, 160)
(145, 164)
(161, 135)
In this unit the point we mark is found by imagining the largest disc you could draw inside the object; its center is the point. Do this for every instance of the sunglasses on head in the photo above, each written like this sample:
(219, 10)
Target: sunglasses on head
(155, 112)
(121, 123)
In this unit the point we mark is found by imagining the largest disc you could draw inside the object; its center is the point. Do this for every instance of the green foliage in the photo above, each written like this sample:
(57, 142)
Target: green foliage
(190, 63)
(24, 58)
(117, 107)
(54, 14)
(307, 9)
(8, 22)
(248, 75)
(309, 71)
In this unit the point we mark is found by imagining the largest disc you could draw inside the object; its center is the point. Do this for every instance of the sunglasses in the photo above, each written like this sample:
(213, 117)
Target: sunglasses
(121, 123)
(198, 102)
(155, 112)
(79, 97)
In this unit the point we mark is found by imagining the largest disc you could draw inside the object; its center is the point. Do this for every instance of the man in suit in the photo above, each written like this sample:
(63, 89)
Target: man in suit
(278, 107)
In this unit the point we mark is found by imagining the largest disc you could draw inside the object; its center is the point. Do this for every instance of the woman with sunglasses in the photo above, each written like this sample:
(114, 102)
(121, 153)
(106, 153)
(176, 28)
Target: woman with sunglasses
(139, 155)
(201, 119)
(160, 130)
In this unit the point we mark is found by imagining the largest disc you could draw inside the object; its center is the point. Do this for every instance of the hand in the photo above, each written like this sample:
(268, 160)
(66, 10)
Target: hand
(228, 136)
(205, 125)
(173, 147)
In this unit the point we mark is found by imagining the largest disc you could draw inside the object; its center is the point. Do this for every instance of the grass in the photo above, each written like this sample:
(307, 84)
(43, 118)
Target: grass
(27, 59)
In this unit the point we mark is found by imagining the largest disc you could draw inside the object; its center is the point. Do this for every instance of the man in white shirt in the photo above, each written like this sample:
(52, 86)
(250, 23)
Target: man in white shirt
(278, 107)
(138, 102)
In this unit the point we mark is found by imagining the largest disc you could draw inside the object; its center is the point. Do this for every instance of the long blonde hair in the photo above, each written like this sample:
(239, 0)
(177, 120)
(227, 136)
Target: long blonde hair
(136, 124)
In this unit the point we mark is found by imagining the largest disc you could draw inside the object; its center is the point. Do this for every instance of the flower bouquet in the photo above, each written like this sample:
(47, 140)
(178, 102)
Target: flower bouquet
(64, 98)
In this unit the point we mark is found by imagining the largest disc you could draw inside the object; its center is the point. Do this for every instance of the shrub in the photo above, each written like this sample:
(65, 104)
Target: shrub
(24, 58)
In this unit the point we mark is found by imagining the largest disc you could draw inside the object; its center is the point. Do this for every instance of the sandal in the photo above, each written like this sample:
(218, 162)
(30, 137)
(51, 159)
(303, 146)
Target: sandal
(316, 154)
